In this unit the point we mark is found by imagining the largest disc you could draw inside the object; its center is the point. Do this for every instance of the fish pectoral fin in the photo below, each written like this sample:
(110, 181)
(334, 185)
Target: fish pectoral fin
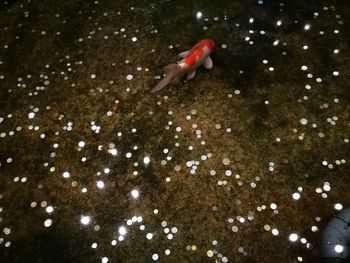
(183, 54)
(191, 75)
(208, 63)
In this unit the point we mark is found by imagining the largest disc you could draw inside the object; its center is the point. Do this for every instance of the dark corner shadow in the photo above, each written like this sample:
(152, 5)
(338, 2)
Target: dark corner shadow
(46, 247)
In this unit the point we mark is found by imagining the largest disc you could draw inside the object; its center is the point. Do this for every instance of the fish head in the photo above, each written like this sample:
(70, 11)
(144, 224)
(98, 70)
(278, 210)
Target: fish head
(209, 43)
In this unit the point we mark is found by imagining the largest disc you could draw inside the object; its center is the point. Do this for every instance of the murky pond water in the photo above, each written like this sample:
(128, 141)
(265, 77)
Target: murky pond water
(246, 162)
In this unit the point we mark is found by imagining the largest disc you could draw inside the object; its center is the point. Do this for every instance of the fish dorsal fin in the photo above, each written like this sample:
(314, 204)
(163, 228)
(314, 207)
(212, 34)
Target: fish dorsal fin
(169, 68)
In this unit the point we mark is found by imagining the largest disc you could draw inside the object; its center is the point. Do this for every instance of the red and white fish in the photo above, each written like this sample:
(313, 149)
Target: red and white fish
(191, 60)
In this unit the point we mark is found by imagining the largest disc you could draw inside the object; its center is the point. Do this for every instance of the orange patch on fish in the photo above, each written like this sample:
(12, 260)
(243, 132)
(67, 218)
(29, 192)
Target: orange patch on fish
(195, 53)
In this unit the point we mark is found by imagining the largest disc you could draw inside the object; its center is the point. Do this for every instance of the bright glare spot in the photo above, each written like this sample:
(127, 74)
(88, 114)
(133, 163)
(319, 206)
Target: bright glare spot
(296, 196)
(85, 220)
(338, 206)
(279, 22)
(66, 175)
(31, 115)
(338, 248)
(104, 260)
(199, 15)
(114, 151)
(146, 160)
(149, 236)
(275, 232)
(100, 184)
(122, 230)
(135, 193)
(314, 228)
(293, 237)
(326, 187)
(155, 256)
(304, 121)
(81, 144)
(307, 26)
(48, 222)
(49, 209)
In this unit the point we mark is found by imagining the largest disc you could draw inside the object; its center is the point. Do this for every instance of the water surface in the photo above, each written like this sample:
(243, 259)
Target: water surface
(245, 163)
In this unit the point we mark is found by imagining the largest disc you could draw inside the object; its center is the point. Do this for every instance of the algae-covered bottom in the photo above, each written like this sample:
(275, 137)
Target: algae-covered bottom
(246, 162)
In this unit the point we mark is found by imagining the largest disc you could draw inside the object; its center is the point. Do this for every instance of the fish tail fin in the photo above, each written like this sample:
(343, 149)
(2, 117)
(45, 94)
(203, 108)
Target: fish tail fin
(170, 68)
(169, 74)
(165, 81)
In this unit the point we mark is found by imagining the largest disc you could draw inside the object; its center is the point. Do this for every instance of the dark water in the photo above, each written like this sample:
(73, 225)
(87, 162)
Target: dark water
(245, 163)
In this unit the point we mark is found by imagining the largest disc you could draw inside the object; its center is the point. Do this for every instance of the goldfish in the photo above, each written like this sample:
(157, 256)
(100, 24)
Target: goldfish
(198, 55)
